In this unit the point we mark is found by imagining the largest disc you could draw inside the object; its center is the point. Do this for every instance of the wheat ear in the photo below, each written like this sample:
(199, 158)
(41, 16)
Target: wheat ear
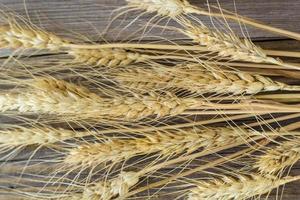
(176, 8)
(239, 187)
(40, 135)
(194, 78)
(226, 45)
(166, 143)
(16, 36)
(171, 8)
(106, 190)
(106, 57)
(50, 96)
(279, 158)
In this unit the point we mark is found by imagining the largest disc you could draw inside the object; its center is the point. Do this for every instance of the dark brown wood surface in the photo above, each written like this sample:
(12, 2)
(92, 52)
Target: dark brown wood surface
(90, 17)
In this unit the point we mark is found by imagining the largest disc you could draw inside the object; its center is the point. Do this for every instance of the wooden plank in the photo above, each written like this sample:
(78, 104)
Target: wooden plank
(91, 16)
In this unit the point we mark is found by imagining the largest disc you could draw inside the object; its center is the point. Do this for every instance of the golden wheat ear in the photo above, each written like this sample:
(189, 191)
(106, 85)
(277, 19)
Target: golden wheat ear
(178, 8)
(17, 35)
(106, 57)
(195, 78)
(106, 190)
(239, 187)
(277, 159)
(37, 135)
(165, 143)
(170, 8)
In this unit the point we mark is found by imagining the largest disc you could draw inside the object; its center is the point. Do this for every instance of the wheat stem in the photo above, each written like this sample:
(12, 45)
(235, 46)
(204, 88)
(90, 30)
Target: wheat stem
(166, 47)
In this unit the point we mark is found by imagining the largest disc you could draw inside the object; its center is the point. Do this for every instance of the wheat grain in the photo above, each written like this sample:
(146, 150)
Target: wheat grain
(165, 143)
(109, 189)
(239, 187)
(40, 135)
(16, 36)
(277, 159)
(106, 57)
(195, 78)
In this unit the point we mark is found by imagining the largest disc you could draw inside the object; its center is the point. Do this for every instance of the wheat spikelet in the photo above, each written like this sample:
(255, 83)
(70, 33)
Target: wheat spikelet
(195, 78)
(50, 96)
(165, 143)
(106, 57)
(118, 186)
(226, 45)
(16, 36)
(240, 187)
(279, 158)
(41, 135)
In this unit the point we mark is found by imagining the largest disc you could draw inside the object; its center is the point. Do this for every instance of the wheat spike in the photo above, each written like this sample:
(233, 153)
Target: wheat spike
(165, 143)
(171, 8)
(50, 96)
(16, 36)
(118, 186)
(106, 57)
(194, 78)
(226, 45)
(241, 187)
(279, 158)
(41, 135)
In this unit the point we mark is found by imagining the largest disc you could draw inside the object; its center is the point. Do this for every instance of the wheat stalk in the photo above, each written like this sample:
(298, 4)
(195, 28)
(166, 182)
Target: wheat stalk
(16, 36)
(239, 187)
(279, 158)
(40, 135)
(166, 143)
(106, 57)
(197, 79)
